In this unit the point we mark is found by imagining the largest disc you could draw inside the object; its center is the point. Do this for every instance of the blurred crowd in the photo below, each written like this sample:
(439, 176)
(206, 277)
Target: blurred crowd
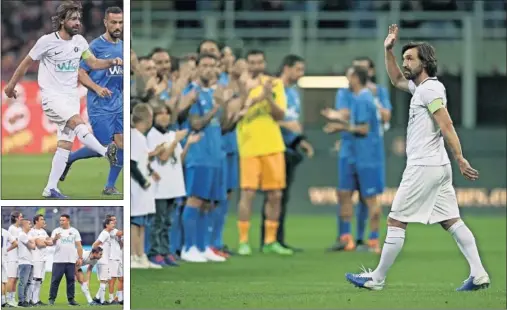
(23, 22)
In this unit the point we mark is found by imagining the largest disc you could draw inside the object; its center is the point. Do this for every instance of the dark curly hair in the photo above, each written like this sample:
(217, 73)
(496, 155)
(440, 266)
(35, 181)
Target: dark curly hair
(63, 13)
(426, 54)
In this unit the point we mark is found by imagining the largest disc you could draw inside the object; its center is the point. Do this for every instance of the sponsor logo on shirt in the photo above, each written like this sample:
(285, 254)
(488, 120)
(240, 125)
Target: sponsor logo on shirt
(67, 66)
(115, 71)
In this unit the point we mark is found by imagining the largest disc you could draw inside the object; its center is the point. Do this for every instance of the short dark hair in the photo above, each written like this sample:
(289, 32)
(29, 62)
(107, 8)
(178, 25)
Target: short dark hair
(37, 217)
(426, 54)
(205, 55)
(157, 50)
(65, 216)
(64, 11)
(14, 216)
(113, 10)
(361, 73)
(255, 52)
(206, 41)
(106, 222)
(108, 216)
(291, 60)
(143, 58)
(371, 64)
(97, 250)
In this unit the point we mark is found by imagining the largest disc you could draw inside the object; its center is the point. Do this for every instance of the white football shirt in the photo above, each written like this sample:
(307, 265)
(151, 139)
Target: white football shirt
(24, 253)
(59, 63)
(7, 240)
(39, 255)
(172, 181)
(65, 247)
(12, 256)
(425, 143)
(115, 246)
(139, 153)
(105, 238)
(87, 260)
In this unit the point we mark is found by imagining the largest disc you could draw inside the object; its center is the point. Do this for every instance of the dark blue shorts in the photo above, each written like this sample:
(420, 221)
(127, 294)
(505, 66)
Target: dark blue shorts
(106, 126)
(368, 180)
(232, 171)
(207, 183)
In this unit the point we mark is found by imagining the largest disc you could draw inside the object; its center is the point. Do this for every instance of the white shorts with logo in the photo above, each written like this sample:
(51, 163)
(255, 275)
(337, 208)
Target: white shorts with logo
(39, 270)
(425, 195)
(12, 269)
(103, 272)
(59, 109)
(115, 268)
(4, 273)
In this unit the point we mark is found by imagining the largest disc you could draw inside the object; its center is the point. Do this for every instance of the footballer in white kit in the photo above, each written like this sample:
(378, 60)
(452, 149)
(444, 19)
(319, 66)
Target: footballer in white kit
(39, 255)
(425, 194)
(90, 259)
(12, 259)
(116, 263)
(59, 53)
(9, 243)
(103, 273)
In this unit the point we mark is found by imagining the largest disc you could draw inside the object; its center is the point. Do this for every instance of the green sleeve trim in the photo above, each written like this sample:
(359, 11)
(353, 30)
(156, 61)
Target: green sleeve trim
(86, 54)
(435, 105)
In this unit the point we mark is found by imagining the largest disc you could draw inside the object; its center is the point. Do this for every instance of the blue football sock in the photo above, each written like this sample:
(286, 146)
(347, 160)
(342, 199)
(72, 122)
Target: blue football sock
(190, 216)
(82, 153)
(114, 171)
(362, 219)
(202, 230)
(373, 235)
(219, 216)
(208, 231)
(175, 230)
(345, 227)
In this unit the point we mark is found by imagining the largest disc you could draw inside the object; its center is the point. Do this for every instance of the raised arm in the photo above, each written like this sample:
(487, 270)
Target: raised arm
(394, 72)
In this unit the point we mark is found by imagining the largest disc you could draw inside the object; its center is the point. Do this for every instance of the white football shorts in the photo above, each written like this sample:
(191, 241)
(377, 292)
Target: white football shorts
(103, 272)
(59, 110)
(4, 274)
(116, 268)
(425, 195)
(39, 270)
(12, 269)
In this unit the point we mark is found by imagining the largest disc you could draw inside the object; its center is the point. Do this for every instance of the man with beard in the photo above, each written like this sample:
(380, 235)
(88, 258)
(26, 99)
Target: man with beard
(59, 54)
(426, 194)
(105, 97)
(293, 68)
(261, 152)
(203, 164)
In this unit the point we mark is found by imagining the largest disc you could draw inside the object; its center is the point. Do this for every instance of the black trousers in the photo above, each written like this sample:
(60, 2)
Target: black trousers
(292, 160)
(60, 269)
(159, 231)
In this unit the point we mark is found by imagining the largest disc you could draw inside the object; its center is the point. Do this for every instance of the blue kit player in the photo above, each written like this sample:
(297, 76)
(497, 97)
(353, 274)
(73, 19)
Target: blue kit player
(203, 165)
(361, 155)
(105, 97)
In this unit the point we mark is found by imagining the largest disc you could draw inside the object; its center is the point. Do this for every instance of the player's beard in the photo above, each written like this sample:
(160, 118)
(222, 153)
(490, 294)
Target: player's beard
(71, 31)
(412, 74)
(116, 34)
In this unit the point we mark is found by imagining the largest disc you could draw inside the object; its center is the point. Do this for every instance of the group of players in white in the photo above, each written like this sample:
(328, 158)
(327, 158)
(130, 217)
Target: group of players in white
(25, 253)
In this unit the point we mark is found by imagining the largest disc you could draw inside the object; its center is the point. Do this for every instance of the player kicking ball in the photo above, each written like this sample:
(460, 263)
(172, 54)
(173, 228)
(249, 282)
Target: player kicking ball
(59, 54)
(426, 194)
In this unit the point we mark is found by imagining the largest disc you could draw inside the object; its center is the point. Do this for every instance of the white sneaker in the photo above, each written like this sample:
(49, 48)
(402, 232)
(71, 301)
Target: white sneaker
(135, 263)
(13, 304)
(211, 256)
(193, 255)
(145, 261)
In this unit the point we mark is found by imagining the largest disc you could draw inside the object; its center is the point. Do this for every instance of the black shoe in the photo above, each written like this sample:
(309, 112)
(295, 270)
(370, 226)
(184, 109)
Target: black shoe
(121, 302)
(106, 303)
(338, 246)
(95, 299)
(73, 303)
(40, 304)
(65, 172)
(115, 302)
(24, 304)
(51, 302)
(295, 250)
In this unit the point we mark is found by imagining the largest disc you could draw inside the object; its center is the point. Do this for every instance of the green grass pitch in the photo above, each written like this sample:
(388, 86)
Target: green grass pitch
(425, 275)
(61, 299)
(25, 176)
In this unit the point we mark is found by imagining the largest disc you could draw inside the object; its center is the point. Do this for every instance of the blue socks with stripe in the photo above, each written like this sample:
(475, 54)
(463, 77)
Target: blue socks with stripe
(82, 153)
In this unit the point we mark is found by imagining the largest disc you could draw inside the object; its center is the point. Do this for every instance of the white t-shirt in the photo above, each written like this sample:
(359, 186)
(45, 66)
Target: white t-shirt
(7, 240)
(65, 247)
(425, 143)
(12, 256)
(105, 238)
(59, 63)
(87, 260)
(24, 253)
(39, 255)
(139, 153)
(115, 246)
(172, 181)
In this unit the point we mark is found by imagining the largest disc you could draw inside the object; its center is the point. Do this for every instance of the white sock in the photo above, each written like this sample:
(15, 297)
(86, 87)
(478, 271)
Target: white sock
(57, 167)
(392, 247)
(111, 297)
(89, 140)
(36, 291)
(119, 294)
(467, 245)
(86, 292)
(102, 292)
(11, 296)
(3, 299)
(29, 292)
